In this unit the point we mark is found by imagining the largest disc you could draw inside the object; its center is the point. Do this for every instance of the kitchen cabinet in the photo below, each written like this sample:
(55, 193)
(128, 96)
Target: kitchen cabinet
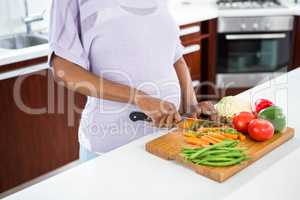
(199, 40)
(34, 144)
(191, 40)
(193, 60)
(296, 48)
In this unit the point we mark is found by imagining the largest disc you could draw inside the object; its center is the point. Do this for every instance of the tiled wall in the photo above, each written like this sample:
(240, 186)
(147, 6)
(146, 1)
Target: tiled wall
(12, 13)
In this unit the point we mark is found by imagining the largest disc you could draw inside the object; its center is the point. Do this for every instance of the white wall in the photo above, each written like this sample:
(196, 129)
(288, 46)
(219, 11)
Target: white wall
(12, 13)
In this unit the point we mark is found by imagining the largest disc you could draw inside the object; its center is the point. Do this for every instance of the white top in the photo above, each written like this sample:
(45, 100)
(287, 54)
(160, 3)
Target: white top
(131, 42)
(131, 173)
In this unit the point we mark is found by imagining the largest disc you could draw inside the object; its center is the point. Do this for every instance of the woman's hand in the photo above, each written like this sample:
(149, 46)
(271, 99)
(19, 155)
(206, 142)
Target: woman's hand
(162, 113)
(205, 109)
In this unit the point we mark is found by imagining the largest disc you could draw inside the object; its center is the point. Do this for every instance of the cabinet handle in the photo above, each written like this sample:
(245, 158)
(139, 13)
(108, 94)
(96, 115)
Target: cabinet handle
(23, 71)
(190, 30)
(191, 49)
(256, 36)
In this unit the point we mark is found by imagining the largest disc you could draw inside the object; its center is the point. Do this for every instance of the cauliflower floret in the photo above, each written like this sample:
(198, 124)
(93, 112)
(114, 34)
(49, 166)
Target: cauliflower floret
(228, 106)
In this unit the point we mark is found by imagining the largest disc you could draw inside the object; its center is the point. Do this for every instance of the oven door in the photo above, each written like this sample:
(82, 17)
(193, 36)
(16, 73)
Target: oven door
(253, 52)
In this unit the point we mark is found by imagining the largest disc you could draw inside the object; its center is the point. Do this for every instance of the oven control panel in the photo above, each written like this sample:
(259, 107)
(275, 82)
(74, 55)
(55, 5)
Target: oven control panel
(255, 24)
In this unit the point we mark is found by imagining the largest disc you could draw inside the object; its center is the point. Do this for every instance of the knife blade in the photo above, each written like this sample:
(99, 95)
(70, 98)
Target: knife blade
(140, 116)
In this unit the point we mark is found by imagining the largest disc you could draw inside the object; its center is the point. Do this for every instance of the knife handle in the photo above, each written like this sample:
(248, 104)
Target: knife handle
(139, 116)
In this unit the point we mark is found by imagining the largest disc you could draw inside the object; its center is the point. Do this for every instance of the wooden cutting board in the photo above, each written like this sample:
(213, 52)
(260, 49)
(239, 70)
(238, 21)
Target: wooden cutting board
(169, 147)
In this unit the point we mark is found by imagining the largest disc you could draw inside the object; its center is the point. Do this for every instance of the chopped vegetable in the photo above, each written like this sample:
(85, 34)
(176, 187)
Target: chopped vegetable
(186, 124)
(195, 141)
(218, 136)
(209, 140)
(190, 133)
(212, 135)
(221, 154)
(231, 136)
(214, 138)
(196, 125)
(242, 137)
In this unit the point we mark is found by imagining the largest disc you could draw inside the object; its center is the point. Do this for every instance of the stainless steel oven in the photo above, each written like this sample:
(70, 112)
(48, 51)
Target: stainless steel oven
(251, 49)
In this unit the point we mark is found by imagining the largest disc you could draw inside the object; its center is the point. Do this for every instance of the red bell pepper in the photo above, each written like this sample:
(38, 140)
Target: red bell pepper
(261, 104)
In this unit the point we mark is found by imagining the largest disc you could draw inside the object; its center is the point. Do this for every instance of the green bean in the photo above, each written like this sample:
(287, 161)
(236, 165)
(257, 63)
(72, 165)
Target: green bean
(217, 159)
(233, 144)
(221, 164)
(218, 155)
(198, 153)
(222, 144)
(232, 155)
(212, 152)
(231, 148)
(188, 152)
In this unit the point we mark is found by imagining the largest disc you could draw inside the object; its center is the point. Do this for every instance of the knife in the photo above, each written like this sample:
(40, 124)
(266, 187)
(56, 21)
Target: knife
(140, 116)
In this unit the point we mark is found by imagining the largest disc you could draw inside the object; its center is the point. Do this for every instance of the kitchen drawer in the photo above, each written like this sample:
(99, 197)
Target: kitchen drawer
(192, 56)
(190, 34)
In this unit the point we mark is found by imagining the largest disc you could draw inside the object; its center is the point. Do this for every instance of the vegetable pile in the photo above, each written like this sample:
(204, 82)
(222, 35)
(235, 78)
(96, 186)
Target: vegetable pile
(222, 154)
(216, 143)
(208, 136)
(268, 120)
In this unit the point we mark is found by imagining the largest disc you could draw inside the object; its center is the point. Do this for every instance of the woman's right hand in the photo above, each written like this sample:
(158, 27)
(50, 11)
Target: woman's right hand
(162, 113)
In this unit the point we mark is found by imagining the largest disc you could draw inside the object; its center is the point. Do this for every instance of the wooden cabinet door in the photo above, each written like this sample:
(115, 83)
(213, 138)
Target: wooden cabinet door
(34, 144)
(191, 39)
(192, 57)
(202, 62)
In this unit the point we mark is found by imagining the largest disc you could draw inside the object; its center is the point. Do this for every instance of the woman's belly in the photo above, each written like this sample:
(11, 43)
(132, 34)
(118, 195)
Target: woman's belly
(105, 125)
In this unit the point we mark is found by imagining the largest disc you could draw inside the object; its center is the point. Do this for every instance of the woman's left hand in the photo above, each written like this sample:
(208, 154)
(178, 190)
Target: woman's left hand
(205, 109)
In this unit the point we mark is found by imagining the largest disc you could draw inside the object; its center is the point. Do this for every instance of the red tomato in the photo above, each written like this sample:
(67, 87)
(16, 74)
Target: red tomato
(241, 121)
(261, 104)
(260, 130)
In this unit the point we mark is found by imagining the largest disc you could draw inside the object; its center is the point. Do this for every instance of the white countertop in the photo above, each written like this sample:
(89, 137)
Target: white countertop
(13, 56)
(194, 12)
(289, 9)
(131, 173)
(198, 10)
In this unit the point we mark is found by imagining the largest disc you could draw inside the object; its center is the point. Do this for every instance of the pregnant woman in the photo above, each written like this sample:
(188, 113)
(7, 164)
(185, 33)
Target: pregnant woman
(126, 56)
